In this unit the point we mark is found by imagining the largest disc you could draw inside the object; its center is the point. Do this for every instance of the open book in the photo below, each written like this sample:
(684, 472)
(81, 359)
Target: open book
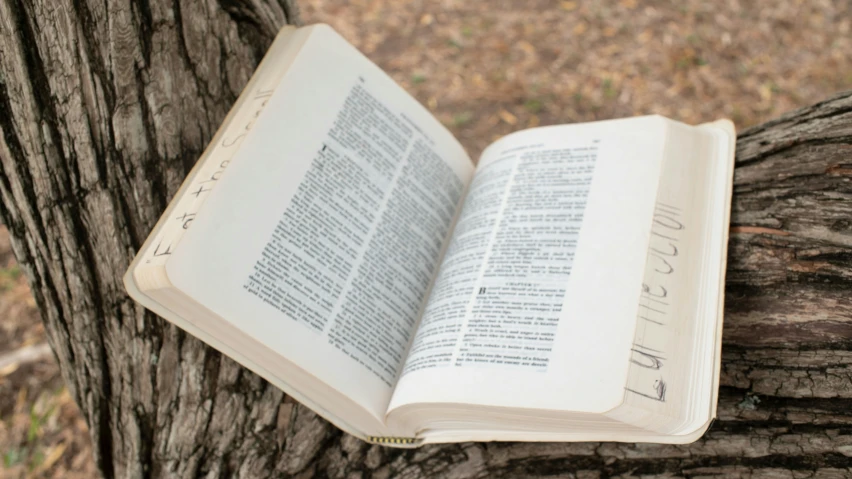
(337, 240)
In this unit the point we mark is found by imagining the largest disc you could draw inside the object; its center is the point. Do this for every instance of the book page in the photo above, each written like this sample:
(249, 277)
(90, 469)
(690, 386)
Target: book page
(213, 163)
(513, 247)
(534, 304)
(322, 240)
(672, 359)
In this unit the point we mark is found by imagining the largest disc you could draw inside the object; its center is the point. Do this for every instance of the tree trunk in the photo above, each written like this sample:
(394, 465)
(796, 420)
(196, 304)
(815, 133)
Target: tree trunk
(104, 107)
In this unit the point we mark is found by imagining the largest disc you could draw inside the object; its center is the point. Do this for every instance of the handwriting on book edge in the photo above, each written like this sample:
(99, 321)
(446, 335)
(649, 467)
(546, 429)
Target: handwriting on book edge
(660, 256)
(654, 361)
(660, 387)
(227, 142)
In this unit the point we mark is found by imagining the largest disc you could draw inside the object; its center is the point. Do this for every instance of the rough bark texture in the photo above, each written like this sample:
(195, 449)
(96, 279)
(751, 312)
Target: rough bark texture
(105, 105)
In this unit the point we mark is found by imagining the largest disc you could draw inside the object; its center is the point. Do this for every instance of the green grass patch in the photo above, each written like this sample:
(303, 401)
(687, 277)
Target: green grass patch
(462, 119)
(534, 105)
(9, 277)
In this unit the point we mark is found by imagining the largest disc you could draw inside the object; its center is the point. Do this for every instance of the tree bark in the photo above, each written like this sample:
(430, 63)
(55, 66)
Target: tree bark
(106, 104)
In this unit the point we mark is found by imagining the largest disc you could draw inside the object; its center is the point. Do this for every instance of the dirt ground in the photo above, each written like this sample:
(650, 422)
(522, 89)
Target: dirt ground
(486, 69)
(41, 431)
(489, 68)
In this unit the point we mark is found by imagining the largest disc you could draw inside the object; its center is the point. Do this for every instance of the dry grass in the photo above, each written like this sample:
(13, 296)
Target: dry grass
(486, 69)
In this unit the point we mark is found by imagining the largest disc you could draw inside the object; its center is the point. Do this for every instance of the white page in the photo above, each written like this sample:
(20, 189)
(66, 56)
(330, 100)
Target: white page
(673, 355)
(339, 199)
(453, 358)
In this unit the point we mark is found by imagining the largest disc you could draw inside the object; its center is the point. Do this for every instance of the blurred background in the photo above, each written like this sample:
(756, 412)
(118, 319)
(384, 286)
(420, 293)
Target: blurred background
(486, 69)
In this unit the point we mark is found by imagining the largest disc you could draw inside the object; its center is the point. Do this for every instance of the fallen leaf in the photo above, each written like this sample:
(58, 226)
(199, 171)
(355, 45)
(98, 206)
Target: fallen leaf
(765, 92)
(478, 80)
(54, 456)
(9, 369)
(526, 47)
(534, 122)
(508, 117)
(21, 401)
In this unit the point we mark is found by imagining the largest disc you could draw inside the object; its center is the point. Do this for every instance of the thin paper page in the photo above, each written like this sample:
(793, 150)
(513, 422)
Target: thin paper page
(498, 298)
(538, 288)
(672, 360)
(669, 308)
(213, 164)
(323, 238)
